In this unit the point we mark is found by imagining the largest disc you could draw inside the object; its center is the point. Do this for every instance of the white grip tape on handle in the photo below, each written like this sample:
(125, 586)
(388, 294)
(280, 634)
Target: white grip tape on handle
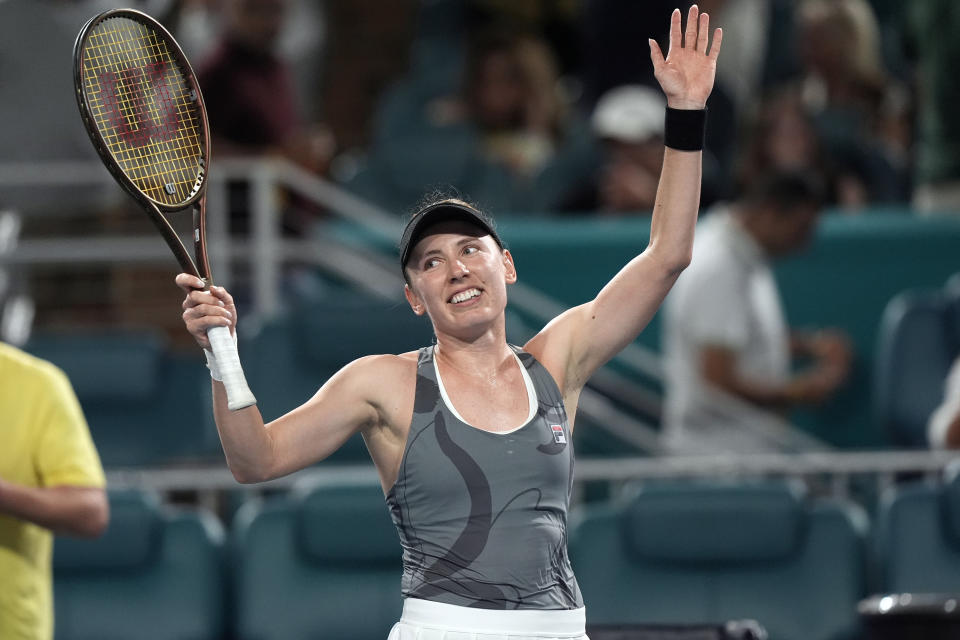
(224, 348)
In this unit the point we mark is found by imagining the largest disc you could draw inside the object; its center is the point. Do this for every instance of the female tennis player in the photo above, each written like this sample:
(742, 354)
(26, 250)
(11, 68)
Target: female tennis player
(471, 436)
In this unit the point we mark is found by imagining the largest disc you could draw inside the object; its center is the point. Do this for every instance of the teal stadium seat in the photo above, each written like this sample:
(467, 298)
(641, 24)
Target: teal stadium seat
(321, 563)
(291, 357)
(918, 536)
(918, 340)
(707, 553)
(156, 574)
(145, 406)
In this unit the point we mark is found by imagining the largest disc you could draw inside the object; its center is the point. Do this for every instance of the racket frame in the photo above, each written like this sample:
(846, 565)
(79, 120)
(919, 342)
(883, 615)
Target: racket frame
(199, 264)
(222, 342)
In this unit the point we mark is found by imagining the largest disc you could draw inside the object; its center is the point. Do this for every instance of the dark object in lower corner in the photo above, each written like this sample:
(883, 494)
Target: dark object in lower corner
(733, 630)
(930, 616)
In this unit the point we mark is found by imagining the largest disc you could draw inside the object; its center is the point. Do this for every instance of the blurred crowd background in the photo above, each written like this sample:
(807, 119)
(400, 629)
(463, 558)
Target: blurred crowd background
(545, 113)
(511, 102)
(534, 109)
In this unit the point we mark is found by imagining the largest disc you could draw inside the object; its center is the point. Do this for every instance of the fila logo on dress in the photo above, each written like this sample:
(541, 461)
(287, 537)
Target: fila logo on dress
(558, 436)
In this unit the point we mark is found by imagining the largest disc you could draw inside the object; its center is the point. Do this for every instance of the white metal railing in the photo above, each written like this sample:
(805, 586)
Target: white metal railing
(838, 465)
(266, 248)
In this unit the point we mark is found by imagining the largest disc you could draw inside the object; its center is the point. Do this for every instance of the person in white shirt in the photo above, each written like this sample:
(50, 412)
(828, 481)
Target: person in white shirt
(725, 329)
(943, 429)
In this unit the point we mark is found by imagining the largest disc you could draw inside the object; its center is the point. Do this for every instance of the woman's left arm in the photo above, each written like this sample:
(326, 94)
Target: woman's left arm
(582, 339)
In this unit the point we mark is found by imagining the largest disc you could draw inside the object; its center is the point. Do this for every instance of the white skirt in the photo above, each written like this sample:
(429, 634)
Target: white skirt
(425, 620)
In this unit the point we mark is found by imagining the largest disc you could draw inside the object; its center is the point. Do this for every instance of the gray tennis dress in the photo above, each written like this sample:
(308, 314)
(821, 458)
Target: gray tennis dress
(482, 516)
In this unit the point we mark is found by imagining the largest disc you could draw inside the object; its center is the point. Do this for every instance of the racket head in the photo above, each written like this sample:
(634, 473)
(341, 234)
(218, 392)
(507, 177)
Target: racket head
(142, 107)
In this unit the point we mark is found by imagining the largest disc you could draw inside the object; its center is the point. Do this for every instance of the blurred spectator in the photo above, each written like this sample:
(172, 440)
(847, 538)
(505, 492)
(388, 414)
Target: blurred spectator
(848, 93)
(943, 430)
(252, 101)
(250, 94)
(782, 137)
(840, 54)
(512, 95)
(932, 42)
(725, 329)
(557, 22)
(515, 102)
(51, 482)
(629, 122)
(506, 136)
(198, 25)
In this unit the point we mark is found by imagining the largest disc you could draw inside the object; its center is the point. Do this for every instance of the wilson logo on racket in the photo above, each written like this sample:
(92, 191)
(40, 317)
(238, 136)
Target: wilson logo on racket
(126, 98)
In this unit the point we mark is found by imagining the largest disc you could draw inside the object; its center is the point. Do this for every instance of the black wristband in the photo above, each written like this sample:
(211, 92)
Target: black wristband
(685, 129)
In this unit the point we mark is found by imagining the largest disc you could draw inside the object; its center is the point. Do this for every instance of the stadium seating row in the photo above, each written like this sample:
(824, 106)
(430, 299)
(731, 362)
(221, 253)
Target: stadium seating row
(145, 405)
(149, 406)
(324, 562)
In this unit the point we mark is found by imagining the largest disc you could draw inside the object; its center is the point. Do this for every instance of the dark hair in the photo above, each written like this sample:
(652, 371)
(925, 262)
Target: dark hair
(438, 193)
(785, 191)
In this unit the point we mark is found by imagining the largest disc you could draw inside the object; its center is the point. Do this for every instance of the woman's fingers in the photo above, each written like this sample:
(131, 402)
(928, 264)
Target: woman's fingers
(189, 282)
(695, 35)
(717, 39)
(675, 37)
(222, 294)
(208, 310)
(703, 32)
(205, 307)
(690, 39)
(656, 55)
(195, 298)
(201, 319)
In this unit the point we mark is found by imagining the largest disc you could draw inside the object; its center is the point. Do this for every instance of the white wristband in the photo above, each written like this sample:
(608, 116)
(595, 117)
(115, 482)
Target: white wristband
(212, 365)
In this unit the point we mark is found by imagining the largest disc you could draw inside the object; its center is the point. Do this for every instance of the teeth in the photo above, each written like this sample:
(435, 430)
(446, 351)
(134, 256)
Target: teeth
(465, 295)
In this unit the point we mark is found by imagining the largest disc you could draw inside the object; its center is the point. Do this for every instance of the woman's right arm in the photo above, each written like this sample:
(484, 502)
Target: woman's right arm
(257, 452)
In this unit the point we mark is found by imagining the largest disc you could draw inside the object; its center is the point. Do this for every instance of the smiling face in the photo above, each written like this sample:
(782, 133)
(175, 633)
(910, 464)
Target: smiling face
(457, 274)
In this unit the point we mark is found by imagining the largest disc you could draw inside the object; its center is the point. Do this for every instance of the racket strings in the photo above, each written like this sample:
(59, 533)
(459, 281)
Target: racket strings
(169, 151)
(143, 63)
(144, 108)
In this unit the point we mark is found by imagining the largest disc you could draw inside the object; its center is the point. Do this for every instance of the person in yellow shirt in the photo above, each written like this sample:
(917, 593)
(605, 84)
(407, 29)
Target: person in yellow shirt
(51, 482)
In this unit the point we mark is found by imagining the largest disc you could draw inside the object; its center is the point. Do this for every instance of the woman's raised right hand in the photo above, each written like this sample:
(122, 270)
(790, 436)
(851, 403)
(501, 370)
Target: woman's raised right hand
(205, 308)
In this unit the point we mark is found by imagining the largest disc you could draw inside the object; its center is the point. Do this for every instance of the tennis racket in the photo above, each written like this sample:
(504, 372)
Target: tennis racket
(141, 104)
